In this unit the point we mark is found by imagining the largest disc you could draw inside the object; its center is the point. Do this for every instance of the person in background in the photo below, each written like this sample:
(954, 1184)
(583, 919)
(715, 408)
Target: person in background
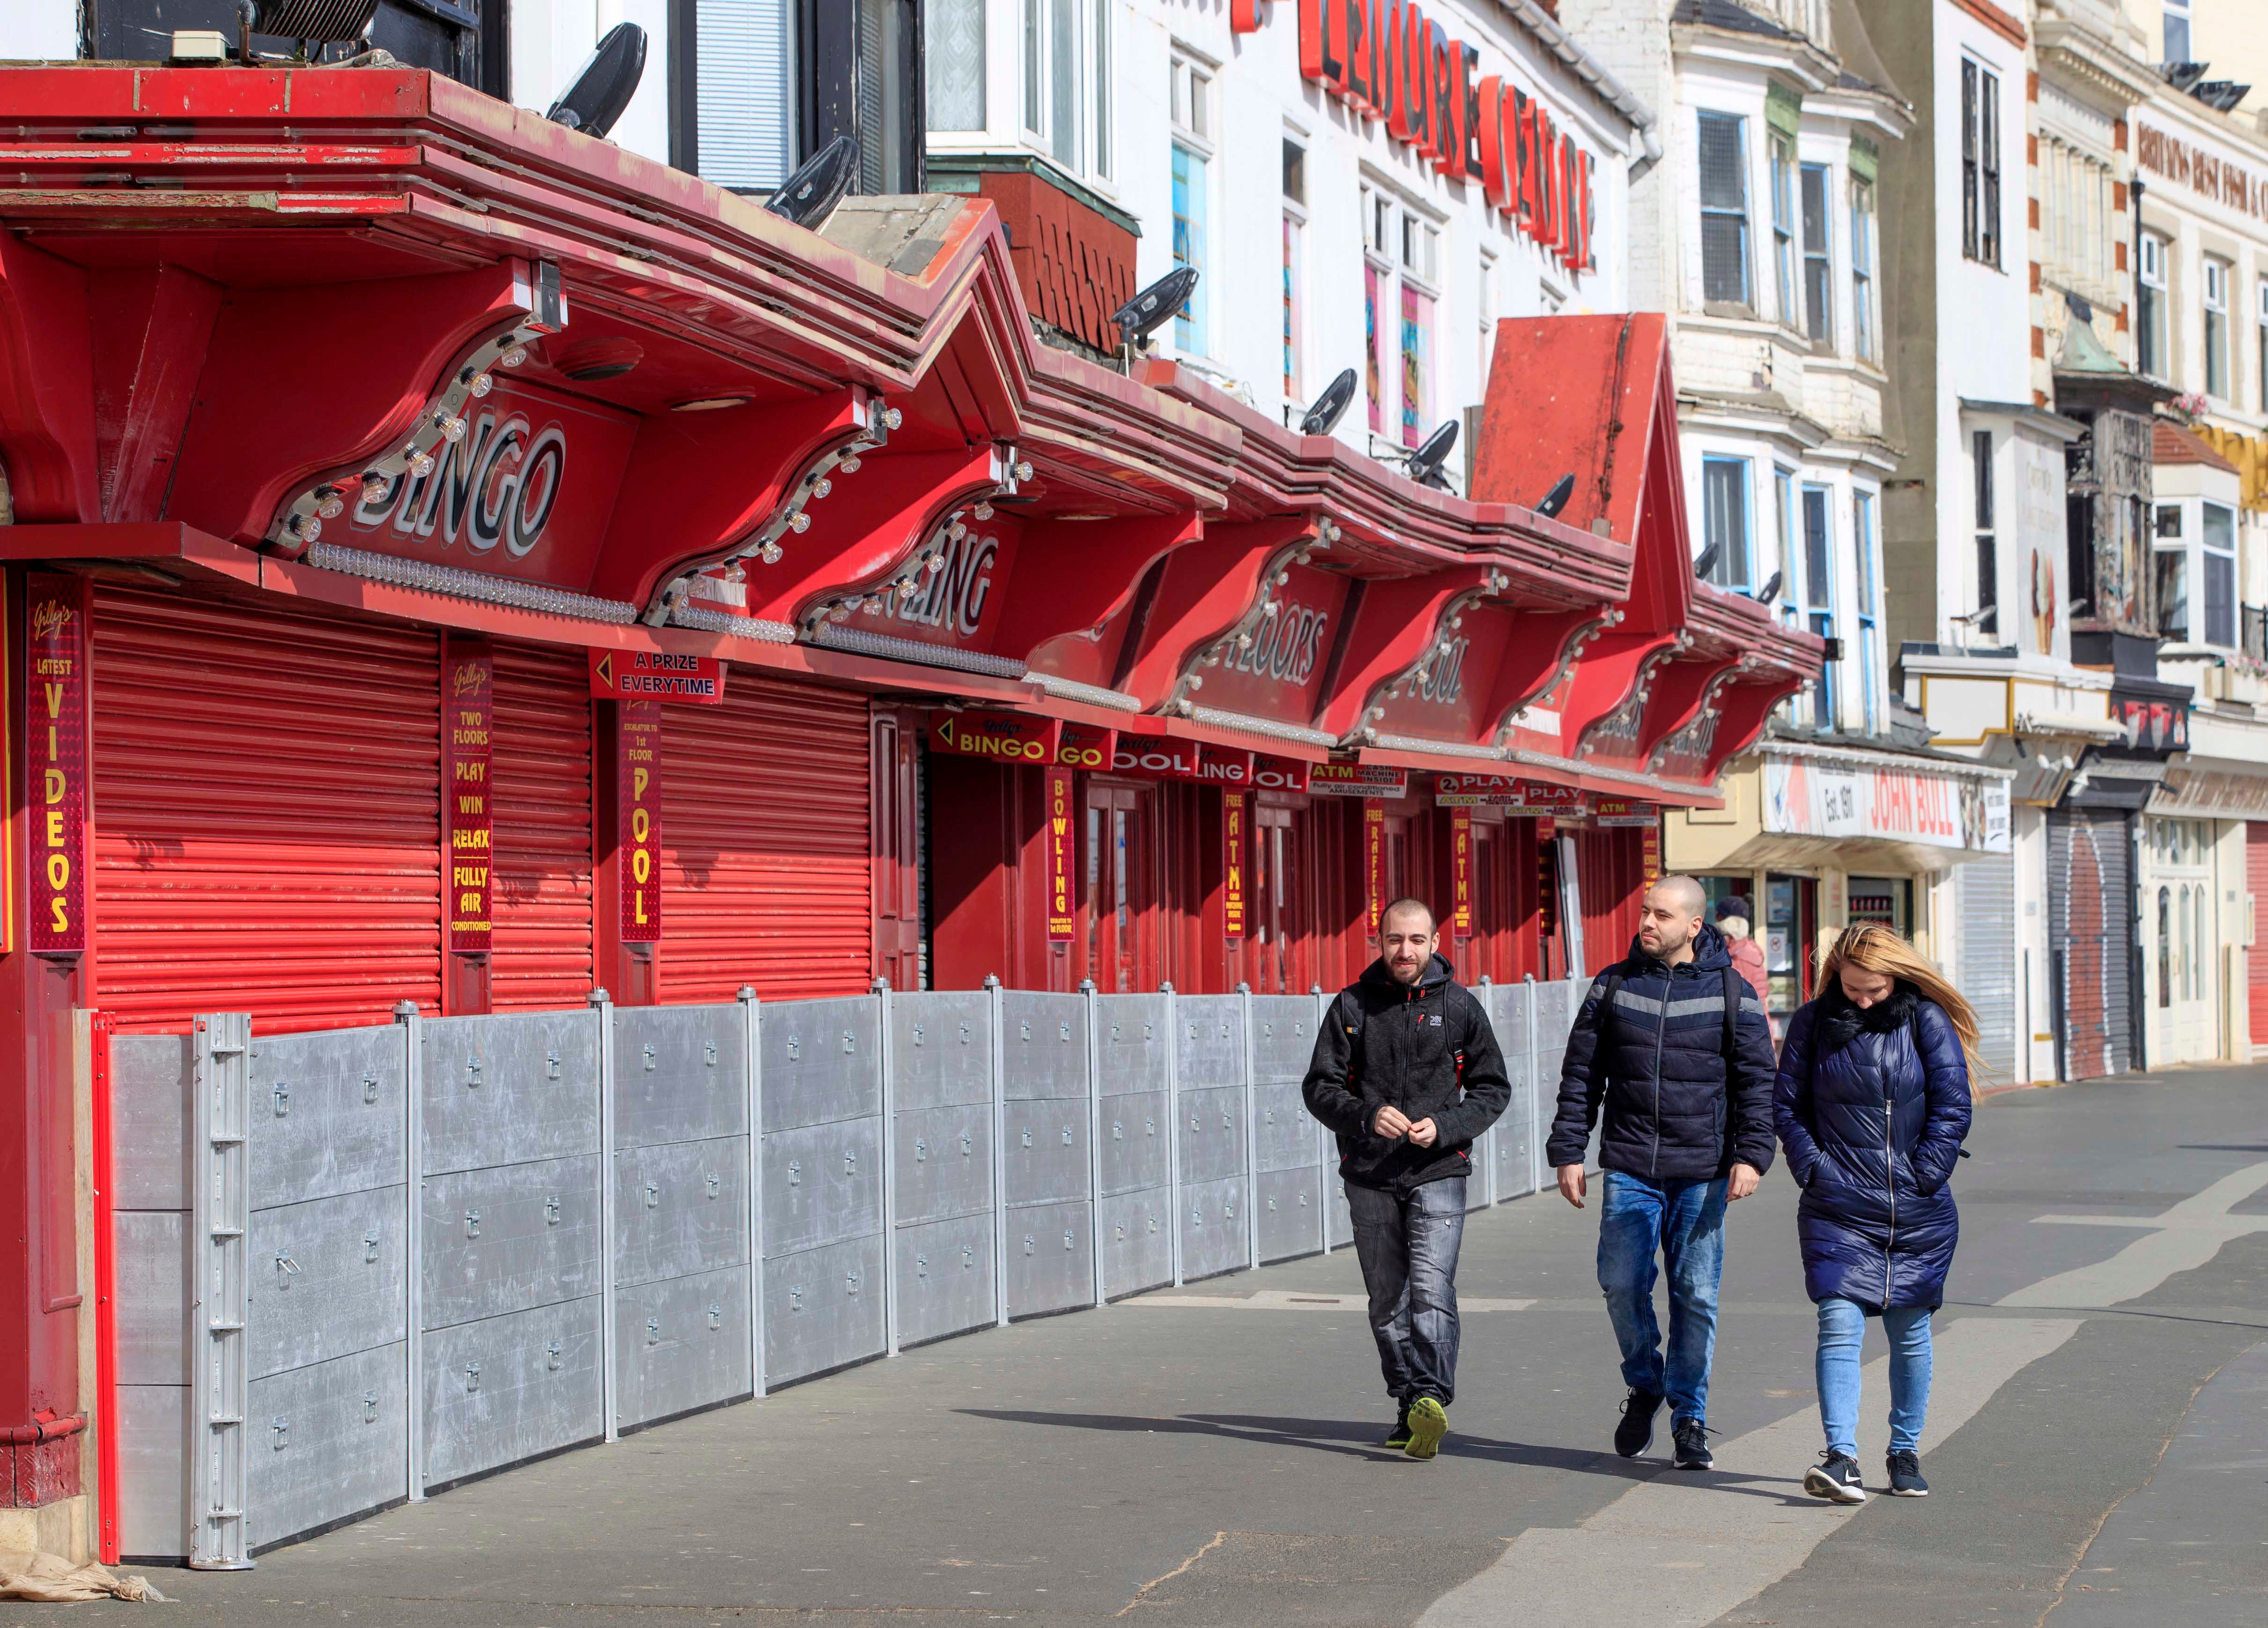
(1872, 1104)
(1748, 958)
(1407, 1071)
(1671, 1045)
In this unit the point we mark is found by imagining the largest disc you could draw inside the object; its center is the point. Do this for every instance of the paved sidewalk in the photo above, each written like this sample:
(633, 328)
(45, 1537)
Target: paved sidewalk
(1213, 1462)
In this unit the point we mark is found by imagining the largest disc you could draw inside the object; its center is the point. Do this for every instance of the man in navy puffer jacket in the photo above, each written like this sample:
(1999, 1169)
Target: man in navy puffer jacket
(1671, 1042)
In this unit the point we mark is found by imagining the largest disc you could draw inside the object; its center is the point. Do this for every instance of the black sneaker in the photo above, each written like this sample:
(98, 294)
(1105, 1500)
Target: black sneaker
(1635, 1434)
(1905, 1468)
(1835, 1477)
(1398, 1437)
(1691, 1437)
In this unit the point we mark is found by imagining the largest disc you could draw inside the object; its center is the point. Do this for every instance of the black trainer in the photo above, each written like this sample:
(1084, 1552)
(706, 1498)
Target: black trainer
(1905, 1468)
(1691, 1438)
(1398, 1437)
(1835, 1477)
(1635, 1434)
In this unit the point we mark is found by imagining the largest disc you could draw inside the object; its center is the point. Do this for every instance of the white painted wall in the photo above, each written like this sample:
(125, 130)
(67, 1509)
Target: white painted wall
(551, 39)
(38, 30)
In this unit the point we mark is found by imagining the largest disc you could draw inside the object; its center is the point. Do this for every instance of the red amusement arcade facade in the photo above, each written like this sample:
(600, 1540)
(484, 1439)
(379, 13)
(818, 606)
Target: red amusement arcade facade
(458, 561)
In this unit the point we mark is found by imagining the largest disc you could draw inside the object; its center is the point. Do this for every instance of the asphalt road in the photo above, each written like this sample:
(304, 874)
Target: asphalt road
(2098, 1445)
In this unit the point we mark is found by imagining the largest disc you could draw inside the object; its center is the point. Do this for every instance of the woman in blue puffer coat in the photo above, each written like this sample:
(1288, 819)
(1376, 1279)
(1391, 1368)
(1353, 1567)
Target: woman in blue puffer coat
(1871, 1105)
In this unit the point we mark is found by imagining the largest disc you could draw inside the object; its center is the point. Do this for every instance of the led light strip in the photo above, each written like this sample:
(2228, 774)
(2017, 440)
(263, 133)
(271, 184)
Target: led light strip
(458, 583)
(1244, 723)
(863, 643)
(1581, 636)
(1093, 694)
(1452, 618)
(758, 629)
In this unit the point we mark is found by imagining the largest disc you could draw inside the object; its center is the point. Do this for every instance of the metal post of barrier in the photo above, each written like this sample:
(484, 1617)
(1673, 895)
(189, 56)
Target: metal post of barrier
(1173, 1120)
(994, 999)
(1324, 1144)
(1095, 1134)
(602, 1010)
(413, 1233)
(889, 1171)
(1488, 1137)
(752, 1071)
(220, 1223)
(1535, 1099)
(1251, 1153)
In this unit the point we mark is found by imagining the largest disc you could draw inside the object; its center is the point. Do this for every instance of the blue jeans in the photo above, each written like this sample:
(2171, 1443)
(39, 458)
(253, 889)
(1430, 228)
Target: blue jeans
(1408, 1248)
(1685, 1222)
(1842, 1332)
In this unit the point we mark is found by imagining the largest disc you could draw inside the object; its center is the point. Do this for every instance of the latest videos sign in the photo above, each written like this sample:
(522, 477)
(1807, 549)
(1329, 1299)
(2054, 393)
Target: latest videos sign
(56, 763)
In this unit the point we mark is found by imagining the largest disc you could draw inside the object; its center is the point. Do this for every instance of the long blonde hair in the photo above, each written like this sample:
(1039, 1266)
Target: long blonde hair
(1873, 947)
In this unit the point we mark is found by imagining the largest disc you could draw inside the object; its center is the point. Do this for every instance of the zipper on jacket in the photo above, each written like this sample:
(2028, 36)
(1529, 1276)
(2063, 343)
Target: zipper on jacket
(1889, 1168)
(1661, 1029)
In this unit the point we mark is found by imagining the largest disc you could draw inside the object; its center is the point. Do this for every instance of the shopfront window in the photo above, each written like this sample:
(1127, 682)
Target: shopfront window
(1885, 901)
(2165, 945)
(1725, 209)
(1790, 917)
(1119, 893)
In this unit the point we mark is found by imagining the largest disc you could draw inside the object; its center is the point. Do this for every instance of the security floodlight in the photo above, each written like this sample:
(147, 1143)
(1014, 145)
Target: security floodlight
(1328, 407)
(809, 197)
(2183, 75)
(595, 98)
(313, 22)
(1707, 562)
(1424, 466)
(1155, 306)
(1769, 592)
(1556, 499)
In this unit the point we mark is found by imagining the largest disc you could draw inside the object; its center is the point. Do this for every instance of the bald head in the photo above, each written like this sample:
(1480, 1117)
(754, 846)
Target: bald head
(1670, 917)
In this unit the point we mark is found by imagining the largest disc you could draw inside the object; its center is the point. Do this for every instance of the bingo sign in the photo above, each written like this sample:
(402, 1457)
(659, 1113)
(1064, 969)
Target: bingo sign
(637, 803)
(1003, 737)
(468, 814)
(56, 762)
(1060, 923)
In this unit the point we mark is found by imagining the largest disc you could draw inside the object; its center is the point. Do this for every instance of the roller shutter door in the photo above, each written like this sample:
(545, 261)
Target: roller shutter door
(1611, 867)
(2255, 865)
(2090, 932)
(543, 955)
(1984, 955)
(266, 789)
(767, 864)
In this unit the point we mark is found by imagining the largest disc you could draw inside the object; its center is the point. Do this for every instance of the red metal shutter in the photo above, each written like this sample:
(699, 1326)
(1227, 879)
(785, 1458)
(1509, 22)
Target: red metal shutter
(543, 957)
(267, 792)
(767, 865)
(1611, 870)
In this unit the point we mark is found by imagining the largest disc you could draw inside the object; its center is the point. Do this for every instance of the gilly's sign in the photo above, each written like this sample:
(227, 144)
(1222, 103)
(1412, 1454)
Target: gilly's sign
(1387, 60)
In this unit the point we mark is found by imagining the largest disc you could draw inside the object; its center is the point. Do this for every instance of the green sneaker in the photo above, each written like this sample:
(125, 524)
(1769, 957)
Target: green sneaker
(1429, 1422)
(1398, 1437)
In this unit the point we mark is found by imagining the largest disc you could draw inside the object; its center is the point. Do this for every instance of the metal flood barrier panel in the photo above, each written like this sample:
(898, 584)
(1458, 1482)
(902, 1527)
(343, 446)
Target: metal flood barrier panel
(358, 1264)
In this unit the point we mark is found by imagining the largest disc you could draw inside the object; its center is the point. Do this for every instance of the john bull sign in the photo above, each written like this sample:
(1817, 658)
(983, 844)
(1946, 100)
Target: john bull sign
(1805, 797)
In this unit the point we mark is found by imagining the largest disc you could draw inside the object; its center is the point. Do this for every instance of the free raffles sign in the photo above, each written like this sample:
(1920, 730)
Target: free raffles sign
(57, 762)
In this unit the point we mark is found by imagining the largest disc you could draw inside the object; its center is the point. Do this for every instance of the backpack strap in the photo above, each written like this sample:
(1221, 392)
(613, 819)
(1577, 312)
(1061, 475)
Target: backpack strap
(1733, 985)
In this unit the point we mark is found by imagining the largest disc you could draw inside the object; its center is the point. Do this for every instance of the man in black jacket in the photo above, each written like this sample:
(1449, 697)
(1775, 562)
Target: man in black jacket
(1672, 1042)
(1407, 1073)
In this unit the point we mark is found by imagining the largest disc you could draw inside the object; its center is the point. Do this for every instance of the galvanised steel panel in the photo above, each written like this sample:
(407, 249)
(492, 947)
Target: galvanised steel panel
(1211, 1129)
(1514, 1171)
(1212, 1227)
(1283, 1037)
(1282, 1132)
(680, 1074)
(1050, 1260)
(1556, 1003)
(941, 1047)
(945, 1163)
(1042, 1045)
(1509, 1012)
(945, 1279)
(510, 1089)
(681, 1209)
(507, 1389)
(153, 1477)
(681, 1344)
(329, 1277)
(823, 1309)
(1290, 1223)
(1136, 1151)
(152, 1267)
(327, 1114)
(1130, 1047)
(822, 1060)
(505, 1241)
(1342, 1219)
(1477, 1194)
(1046, 1158)
(149, 1085)
(325, 1443)
(1138, 1241)
(822, 1183)
(1211, 1040)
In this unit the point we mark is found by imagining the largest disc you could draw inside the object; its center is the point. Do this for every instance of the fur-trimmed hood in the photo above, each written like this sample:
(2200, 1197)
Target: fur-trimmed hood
(1839, 1020)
